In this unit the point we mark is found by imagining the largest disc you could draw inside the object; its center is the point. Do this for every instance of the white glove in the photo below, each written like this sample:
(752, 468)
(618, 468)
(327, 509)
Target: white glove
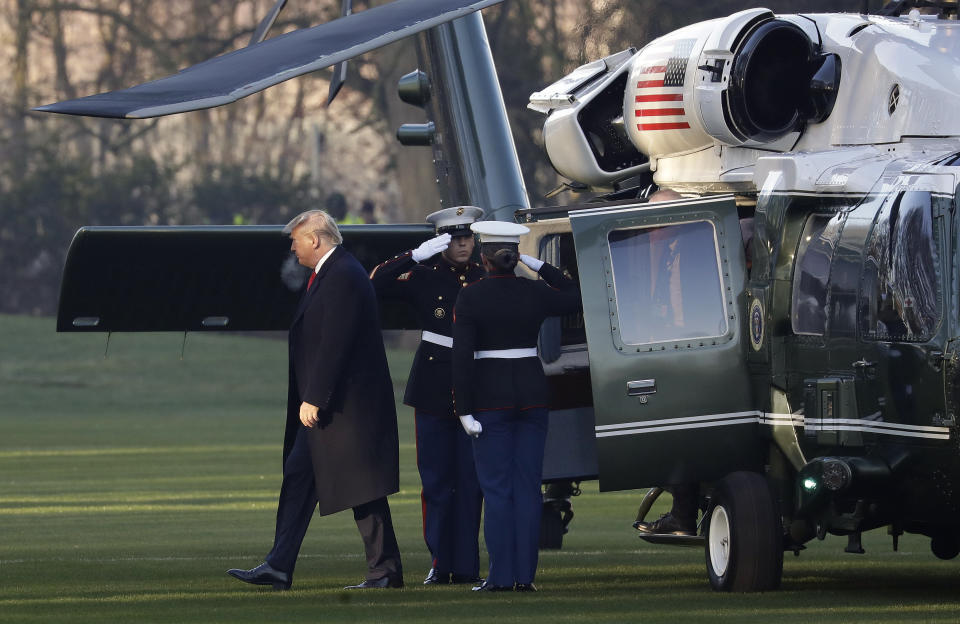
(471, 426)
(531, 262)
(430, 248)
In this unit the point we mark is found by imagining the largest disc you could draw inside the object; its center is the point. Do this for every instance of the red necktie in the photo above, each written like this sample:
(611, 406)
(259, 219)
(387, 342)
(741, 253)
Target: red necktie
(310, 282)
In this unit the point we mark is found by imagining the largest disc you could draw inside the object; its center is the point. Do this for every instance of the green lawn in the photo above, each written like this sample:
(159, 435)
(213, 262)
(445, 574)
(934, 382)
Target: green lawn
(129, 484)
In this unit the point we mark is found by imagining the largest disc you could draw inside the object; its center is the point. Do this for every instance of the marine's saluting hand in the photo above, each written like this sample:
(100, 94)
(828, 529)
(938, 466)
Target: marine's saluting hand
(309, 414)
(430, 248)
(530, 261)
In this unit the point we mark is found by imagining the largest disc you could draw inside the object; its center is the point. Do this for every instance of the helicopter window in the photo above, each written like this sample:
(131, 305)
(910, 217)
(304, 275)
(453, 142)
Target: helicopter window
(667, 283)
(809, 301)
(558, 250)
(900, 296)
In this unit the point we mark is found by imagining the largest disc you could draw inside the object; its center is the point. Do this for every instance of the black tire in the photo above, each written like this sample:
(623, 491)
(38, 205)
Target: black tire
(945, 546)
(551, 528)
(744, 537)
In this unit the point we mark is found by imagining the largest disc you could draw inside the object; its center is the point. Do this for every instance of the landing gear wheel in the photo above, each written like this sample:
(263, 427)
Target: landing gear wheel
(945, 546)
(557, 512)
(551, 528)
(744, 543)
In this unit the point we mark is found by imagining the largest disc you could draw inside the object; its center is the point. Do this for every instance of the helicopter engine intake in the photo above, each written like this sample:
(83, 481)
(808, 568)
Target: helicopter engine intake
(748, 80)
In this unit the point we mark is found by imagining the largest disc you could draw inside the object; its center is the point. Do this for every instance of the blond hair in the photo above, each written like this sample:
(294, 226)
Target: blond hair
(318, 222)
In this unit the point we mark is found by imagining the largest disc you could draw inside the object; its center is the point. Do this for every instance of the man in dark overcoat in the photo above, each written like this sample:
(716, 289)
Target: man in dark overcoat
(340, 447)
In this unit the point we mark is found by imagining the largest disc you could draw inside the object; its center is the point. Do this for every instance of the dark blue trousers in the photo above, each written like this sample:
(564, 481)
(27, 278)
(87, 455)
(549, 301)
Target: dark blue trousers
(509, 458)
(298, 500)
(451, 494)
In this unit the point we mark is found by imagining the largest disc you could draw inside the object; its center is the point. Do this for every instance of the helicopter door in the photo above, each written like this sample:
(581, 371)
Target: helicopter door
(901, 309)
(662, 288)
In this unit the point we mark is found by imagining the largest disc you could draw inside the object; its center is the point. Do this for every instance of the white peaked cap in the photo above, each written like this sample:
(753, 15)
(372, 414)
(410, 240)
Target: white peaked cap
(499, 231)
(456, 218)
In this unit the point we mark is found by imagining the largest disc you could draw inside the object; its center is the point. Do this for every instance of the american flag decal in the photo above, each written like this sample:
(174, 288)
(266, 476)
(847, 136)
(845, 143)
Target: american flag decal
(659, 99)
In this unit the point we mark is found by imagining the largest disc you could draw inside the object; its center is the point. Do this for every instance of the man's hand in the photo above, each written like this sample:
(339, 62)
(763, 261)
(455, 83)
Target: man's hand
(309, 415)
(471, 426)
(430, 248)
(531, 262)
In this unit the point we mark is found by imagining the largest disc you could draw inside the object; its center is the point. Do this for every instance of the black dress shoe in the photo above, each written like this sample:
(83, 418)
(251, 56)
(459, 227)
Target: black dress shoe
(263, 574)
(463, 579)
(667, 524)
(381, 583)
(436, 578)
(485, 586)
(525, 587)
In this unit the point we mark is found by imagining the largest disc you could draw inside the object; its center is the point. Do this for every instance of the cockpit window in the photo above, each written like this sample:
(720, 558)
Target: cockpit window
(900, 299)
(811, 279)
(667, 283)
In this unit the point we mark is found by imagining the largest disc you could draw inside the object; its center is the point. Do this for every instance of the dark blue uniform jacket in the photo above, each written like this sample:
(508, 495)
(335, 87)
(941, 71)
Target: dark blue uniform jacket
(431, 288)
(505, 312)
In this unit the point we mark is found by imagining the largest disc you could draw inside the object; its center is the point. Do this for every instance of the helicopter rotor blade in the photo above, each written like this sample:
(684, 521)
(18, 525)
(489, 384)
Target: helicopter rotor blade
(340, 71)
(246, 71)
(261, 32)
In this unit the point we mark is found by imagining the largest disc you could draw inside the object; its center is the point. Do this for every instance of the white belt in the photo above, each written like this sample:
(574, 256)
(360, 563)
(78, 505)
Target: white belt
(510, 354)
(437, 339)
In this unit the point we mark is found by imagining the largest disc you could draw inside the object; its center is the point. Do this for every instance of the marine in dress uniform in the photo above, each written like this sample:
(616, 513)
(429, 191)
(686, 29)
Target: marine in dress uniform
(501, 395)
(340, 445)
(429, 278)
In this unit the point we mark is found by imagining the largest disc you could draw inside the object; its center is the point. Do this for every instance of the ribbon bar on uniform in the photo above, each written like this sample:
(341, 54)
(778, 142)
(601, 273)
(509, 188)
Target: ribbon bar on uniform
(509, 354)
(437, 339)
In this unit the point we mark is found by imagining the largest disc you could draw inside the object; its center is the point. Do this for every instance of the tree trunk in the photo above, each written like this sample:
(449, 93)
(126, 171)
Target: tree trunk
(21, 95)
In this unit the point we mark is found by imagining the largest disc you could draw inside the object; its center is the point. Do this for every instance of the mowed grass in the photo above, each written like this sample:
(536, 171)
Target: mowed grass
(128, 485)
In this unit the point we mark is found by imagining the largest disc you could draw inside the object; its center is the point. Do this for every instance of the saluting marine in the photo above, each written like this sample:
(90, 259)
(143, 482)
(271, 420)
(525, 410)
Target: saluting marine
(429, 278)
(501, 395)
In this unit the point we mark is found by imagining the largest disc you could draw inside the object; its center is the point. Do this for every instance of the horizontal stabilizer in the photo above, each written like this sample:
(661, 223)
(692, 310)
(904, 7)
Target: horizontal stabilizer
(236, 75)
(186, 278)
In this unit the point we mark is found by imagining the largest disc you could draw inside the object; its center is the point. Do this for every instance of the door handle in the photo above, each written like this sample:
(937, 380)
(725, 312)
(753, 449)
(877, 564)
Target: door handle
(641, 386)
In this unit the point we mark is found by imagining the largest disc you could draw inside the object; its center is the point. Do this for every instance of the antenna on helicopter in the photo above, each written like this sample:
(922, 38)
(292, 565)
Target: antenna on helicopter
(261, 32)
(340, 70)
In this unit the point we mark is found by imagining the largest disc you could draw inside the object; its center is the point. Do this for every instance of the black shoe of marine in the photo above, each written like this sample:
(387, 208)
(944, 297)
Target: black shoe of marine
(490, 587)
(436, 578)
(384, 582)
(666, 524)
(525, 587)
(263, 574)
(463, 579)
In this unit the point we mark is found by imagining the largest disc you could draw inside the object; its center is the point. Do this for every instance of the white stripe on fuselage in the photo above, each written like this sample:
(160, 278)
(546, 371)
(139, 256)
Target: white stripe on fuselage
(771, 419)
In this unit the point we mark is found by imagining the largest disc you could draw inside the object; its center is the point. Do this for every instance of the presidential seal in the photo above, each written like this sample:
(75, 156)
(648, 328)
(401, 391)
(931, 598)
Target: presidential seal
(756, 324)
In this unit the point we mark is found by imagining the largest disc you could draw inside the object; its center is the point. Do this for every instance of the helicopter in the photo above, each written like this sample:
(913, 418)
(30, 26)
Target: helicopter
(785, 333)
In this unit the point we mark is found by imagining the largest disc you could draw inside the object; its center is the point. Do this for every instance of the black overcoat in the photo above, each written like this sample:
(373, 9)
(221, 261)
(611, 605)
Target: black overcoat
(338, 363)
